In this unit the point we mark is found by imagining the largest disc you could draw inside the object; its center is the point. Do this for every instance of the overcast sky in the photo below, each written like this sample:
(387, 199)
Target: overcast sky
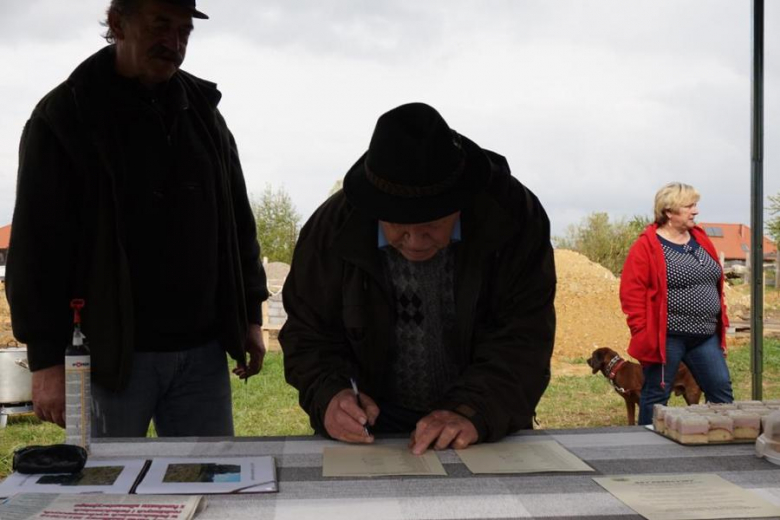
(595, 103)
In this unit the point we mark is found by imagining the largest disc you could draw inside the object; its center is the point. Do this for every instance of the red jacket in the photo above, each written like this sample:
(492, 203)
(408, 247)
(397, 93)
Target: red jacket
(643, 295)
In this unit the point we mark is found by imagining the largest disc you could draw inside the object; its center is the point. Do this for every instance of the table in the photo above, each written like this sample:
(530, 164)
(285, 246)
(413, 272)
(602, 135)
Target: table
(305, 494)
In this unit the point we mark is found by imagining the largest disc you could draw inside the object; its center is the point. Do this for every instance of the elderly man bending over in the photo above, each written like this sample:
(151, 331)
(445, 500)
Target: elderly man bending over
(429, 280)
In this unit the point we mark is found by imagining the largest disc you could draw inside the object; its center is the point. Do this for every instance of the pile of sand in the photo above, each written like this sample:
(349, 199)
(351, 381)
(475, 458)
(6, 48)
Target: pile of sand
(588, 308)
(276, 273)
(738, 302)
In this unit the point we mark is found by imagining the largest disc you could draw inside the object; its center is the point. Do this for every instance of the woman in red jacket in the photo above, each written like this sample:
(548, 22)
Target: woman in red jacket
(671, 290)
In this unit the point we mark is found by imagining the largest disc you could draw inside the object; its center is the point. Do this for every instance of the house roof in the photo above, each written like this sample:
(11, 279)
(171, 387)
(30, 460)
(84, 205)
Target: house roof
(5, 236)
(733, 240)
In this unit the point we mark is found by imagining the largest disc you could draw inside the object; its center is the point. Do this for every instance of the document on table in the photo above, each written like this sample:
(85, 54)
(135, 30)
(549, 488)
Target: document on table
(207, 475)
(376, 461)
(682, 497)
(91, 507)
(520, 457)
(98, 476)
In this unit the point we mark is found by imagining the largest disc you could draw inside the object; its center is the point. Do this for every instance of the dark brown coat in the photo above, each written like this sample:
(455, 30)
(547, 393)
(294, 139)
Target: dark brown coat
(341, 318)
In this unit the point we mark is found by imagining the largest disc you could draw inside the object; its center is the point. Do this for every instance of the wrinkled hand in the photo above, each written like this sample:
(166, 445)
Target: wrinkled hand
(256, 350)
(48, 394)
(344, 418)
(442, 429)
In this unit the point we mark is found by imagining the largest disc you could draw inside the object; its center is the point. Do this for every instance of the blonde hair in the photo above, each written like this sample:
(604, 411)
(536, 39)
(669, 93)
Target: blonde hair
(672, 197)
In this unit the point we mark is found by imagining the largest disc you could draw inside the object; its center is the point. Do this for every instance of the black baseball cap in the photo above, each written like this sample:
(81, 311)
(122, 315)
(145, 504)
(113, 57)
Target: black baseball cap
(190, 5)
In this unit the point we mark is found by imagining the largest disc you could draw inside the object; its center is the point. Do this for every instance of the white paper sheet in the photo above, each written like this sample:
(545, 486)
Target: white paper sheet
(209, 475)
(687, 497)
(520, 457)
(378, 460)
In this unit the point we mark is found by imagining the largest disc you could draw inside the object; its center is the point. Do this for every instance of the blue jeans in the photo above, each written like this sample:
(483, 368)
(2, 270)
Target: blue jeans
(186, 393)
(704, 358)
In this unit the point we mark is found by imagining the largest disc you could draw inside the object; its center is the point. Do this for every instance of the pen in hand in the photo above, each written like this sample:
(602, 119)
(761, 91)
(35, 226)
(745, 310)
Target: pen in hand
(357, 396)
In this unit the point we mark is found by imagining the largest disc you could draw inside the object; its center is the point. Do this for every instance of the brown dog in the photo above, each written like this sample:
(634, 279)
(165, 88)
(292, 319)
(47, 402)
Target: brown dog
(627, 378)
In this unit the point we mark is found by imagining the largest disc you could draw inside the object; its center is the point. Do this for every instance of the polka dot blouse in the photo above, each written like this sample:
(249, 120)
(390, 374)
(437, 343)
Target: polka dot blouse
(692, 277)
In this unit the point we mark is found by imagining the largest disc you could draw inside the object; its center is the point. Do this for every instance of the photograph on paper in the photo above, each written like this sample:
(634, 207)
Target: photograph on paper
(98, 476)
(209, 476)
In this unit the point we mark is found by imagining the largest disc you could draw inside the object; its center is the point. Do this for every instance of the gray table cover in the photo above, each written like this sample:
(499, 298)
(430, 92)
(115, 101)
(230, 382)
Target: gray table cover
(305, 494)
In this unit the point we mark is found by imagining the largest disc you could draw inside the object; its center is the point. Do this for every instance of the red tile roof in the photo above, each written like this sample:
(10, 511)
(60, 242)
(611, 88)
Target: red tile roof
(5, 236)
(733, 240)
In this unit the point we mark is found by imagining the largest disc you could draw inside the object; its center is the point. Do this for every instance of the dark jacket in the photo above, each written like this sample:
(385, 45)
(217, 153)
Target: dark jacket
(341, 315)
(67, 238)
(644, 295)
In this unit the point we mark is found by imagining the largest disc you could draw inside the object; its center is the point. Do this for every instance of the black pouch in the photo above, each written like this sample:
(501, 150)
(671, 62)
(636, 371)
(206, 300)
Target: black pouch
(57, 458)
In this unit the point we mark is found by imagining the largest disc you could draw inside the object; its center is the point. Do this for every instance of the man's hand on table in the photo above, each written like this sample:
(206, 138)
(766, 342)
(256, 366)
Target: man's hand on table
(48, 394)
(442, 429)
(345, 419)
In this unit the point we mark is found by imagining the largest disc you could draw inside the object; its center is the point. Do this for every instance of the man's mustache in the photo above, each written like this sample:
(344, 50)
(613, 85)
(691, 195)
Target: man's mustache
(163, 53)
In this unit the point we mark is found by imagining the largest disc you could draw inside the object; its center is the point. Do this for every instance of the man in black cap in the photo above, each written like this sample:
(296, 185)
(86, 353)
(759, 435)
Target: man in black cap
(131, 196)
(420, 298)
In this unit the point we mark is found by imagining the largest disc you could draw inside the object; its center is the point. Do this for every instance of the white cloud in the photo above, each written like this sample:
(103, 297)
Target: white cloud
(595, 103)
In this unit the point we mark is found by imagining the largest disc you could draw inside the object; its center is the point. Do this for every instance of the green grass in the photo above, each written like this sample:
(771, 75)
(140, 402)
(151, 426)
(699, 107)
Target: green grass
(267, 406)
(587, 401)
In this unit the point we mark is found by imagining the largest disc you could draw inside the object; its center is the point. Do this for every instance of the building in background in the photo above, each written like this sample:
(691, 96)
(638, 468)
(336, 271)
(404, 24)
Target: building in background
(732, 241)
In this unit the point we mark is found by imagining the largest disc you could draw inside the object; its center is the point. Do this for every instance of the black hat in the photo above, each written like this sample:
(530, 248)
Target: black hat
(189, 4)
(416, 168)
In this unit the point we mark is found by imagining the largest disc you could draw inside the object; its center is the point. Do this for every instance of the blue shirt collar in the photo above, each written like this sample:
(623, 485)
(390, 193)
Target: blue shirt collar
(382, 240)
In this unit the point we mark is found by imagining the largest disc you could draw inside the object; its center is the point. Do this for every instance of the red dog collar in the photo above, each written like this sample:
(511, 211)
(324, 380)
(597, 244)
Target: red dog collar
(612, 369)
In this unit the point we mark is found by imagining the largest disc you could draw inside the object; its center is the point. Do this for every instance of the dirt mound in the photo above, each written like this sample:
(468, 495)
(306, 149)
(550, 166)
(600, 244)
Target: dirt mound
(588, 308)
(276, 273)
(738, 300)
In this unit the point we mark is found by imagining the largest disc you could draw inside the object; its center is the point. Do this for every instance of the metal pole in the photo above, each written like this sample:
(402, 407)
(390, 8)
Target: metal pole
(757, 204)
